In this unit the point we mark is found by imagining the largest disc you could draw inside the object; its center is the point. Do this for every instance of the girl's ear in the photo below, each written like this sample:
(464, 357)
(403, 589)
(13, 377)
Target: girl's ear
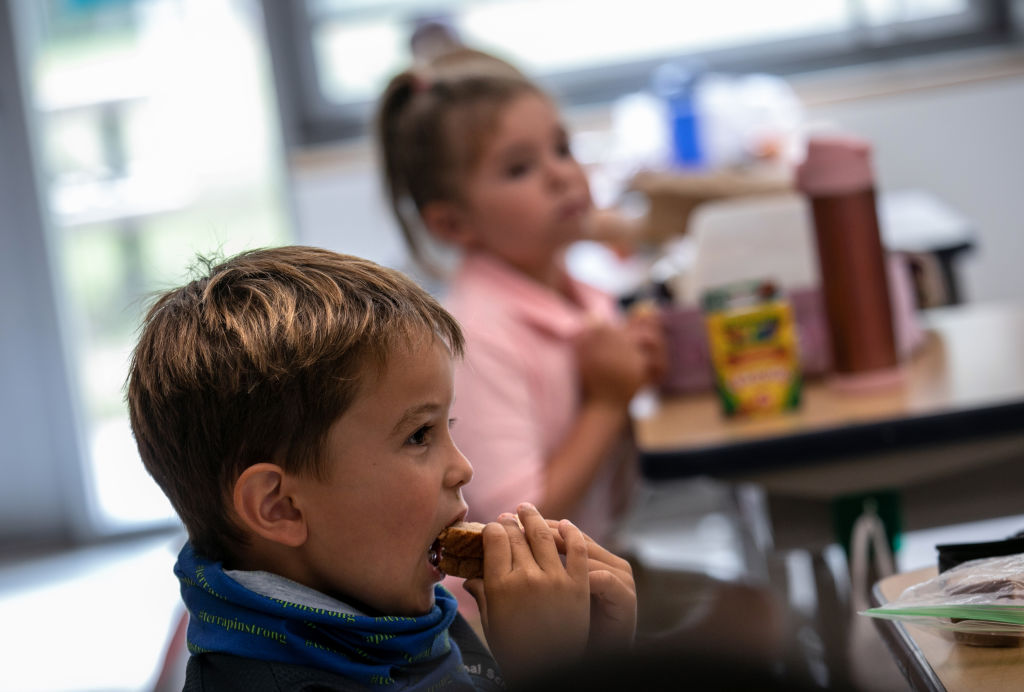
(263, 503)
(447, 222)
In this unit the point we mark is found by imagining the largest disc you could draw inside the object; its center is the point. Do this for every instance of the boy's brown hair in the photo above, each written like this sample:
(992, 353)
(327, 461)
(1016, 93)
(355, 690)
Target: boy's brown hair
(254, 361)
(431, 127)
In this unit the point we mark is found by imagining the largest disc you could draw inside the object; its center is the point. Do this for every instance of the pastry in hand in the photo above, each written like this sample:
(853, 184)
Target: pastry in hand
(462, 550)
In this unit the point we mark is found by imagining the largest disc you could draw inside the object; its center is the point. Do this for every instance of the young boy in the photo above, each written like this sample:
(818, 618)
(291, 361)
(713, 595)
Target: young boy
(293, 404)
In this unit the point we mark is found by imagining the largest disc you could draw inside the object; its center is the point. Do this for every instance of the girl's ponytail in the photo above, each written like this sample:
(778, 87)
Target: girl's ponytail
(392, 134)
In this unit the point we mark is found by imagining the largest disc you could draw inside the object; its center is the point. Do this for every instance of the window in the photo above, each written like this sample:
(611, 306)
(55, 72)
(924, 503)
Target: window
(159, 140)
(340, 53)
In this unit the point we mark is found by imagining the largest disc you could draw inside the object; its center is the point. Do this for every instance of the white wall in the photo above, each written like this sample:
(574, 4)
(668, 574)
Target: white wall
(339, 205)
(953, 126)
(964, 142)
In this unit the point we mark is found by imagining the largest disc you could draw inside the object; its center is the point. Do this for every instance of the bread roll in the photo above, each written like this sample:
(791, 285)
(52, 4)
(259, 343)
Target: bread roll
(462, 550)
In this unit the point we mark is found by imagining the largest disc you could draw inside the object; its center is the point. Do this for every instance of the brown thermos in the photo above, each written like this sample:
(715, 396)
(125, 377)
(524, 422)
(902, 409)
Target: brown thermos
(837, 178)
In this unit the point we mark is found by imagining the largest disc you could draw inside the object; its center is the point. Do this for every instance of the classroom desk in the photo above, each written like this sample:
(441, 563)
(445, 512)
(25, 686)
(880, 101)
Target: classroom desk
(931, 660)
(960, 409)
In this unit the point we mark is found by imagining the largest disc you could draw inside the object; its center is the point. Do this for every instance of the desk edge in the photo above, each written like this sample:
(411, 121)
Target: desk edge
(767, 453)
(899, 642)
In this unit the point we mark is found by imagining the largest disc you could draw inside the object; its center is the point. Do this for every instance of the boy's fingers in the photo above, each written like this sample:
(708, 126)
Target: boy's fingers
(497, 553)
(576, 557)
(554, 524)
(616, 601)
(475, 587)
(540, 538)
(519, 549)
(625, 575)
(610, 588)
(597, 552)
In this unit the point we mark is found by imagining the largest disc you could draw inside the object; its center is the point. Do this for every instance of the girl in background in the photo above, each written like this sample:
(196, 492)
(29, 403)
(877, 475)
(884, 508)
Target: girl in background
(479, 157)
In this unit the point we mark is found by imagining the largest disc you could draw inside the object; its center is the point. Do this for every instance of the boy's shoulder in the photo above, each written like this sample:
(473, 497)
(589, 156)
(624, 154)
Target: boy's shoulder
(217, 672)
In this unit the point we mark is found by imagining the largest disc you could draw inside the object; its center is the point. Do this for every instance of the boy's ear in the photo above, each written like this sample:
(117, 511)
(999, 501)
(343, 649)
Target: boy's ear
(264, 505)
(447, 222)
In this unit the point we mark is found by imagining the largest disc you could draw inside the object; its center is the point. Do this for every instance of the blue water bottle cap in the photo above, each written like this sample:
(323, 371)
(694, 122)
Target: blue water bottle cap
(676, 85)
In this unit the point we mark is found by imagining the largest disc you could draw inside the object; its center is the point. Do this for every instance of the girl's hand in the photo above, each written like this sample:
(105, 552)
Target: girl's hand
(612, 596)
(645, 324)
(612, 362)
(615, 229)
(535, 611)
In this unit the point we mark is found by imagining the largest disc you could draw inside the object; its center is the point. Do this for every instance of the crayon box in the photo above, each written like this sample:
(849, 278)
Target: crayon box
(753, 348)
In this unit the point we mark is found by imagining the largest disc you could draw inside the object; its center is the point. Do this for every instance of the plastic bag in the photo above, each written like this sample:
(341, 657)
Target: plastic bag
(981, 601)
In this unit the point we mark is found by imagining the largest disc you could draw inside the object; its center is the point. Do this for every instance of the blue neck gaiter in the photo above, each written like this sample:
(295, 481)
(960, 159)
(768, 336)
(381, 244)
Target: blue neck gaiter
(395, 653)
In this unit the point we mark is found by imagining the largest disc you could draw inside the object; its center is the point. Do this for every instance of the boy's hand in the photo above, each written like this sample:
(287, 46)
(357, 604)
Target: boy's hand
(612, 596)
(612, 362)
(535, 611)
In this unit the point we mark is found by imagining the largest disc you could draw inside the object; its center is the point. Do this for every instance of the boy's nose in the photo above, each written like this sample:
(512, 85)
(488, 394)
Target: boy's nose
(461, 471)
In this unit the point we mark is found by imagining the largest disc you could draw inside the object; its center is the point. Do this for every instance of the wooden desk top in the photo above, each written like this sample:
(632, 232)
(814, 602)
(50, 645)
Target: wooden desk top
(967, 380)
(932, 660)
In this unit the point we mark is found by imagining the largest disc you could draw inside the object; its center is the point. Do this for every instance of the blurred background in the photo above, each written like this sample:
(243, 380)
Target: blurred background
(138, 134)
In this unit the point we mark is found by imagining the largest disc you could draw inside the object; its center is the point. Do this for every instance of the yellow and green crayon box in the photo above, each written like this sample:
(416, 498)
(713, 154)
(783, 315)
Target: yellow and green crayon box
(752, 339)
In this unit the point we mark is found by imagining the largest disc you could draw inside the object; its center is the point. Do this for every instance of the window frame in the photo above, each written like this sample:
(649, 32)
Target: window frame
(311, 119)
(52, 496)
(45, 499)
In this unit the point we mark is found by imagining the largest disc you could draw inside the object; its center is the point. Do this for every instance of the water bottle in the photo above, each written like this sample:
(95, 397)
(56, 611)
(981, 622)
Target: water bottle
(676, 84)
(837, 178)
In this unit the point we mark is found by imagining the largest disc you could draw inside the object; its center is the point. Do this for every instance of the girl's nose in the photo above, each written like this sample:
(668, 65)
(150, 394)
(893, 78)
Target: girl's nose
(561, 171)
(561, 167)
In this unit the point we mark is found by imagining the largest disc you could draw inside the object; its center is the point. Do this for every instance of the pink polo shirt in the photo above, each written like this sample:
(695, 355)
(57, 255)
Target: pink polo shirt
(517, 392)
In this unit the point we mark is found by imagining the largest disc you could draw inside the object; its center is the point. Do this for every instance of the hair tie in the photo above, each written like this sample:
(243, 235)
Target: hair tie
(421, 82)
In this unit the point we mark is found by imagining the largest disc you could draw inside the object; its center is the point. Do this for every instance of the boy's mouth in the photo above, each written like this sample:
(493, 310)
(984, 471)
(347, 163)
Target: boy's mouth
(434, 551)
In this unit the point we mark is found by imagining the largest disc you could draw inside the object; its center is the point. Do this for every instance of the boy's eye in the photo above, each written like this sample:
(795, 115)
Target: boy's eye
(424, 434)
(421, 436)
